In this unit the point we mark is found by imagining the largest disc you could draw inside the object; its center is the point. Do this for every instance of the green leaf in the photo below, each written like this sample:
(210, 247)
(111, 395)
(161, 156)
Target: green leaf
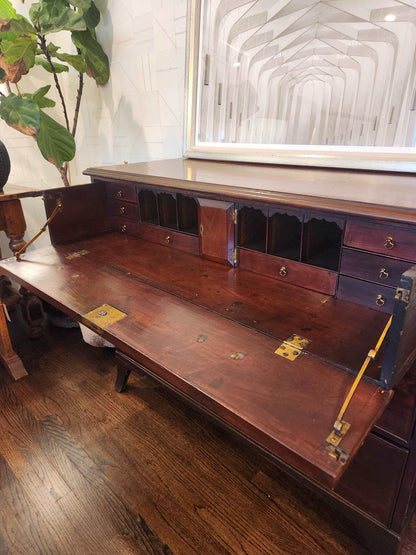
(94, 55)
(55, 142)
(17, 54)
(59, 68)
(6, 10)
(92, 16)
(76, 61)
(2, 74)
(52, 16)
(40, 98)
(19, 25)
(83, 4)
(21, 113)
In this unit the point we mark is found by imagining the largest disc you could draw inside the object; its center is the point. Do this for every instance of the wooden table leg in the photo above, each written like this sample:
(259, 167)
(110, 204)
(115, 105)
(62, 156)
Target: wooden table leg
(14, 223)
(8, 357)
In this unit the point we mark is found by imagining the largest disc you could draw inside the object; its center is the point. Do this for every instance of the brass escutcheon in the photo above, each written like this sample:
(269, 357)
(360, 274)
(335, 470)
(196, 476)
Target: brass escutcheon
(283, 271)
(167, 239)
(380, 301)
(389, 243)
(384, 273)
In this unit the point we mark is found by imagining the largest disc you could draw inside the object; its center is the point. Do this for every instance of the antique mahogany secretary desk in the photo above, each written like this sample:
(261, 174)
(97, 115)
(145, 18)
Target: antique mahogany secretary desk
(259, 294)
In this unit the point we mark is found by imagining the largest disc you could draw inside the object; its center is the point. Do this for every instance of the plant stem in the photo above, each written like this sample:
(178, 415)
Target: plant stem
(64, 177)
(55, 77)
(78, 104)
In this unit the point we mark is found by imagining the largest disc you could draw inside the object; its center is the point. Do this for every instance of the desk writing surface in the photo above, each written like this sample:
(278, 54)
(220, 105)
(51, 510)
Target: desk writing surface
(288, 408)
(11, 191)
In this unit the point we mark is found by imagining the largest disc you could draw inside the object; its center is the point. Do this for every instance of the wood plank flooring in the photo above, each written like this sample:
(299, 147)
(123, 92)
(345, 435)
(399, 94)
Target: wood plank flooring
(85, 470)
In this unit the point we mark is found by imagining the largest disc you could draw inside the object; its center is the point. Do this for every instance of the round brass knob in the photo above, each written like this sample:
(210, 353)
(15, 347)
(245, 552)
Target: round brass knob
(119, 194)
(283, 271)
(384, 273)
(167, 239)
(123, 228)
(122, 210)
(389, 243)
(380, 301)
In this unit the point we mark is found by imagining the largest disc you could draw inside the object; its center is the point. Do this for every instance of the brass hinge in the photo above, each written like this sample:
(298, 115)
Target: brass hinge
(234, 257)
(235, 216)
(341, 426)
(292, 347)
(402, 295)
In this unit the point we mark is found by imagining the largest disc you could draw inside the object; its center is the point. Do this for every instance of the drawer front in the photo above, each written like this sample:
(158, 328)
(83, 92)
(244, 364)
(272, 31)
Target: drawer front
(122, 192)
(129, 227)
(379, 269)
(304, 275)
(379, 297)
(373, 479)
(176, 240)
(390, 240)
(124, 209)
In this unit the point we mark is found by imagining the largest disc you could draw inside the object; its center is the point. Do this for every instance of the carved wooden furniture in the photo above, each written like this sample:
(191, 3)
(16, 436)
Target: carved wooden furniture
(256, 293)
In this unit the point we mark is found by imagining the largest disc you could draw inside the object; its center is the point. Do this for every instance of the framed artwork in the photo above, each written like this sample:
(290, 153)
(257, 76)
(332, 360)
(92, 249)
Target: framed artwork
(303, 82)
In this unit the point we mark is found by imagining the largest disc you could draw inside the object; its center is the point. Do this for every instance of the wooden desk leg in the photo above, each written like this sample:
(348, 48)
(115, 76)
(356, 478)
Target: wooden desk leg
(14, 223)
(8, 357)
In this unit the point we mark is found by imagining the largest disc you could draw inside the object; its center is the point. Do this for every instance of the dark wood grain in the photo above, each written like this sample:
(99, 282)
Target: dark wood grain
(140, 472)
(273, 407)
(172, 239)
(217, 232)
(374, 295)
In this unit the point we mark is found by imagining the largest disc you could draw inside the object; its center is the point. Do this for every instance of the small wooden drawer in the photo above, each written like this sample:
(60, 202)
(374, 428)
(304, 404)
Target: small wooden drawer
(163, 236)
(124, 209)
(304, 275)
(371, 267)
(122, 192)
(379, 297)
(392, 240)
(129, 227)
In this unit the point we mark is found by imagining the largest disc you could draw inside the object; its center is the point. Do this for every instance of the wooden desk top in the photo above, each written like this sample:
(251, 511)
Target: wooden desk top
(373, 194)
(12, 192)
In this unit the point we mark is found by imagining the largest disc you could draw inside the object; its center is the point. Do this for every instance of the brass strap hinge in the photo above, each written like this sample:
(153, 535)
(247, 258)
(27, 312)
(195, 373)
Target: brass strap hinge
(292, 347)
(341, 427)
(235, 216)
(58, 208)
(402, 295)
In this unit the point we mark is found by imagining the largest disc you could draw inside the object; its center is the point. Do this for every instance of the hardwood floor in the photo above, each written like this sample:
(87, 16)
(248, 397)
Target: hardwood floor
(85, 470)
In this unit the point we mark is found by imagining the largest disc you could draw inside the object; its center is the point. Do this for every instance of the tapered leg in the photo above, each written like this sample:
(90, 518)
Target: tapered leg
(8, 357)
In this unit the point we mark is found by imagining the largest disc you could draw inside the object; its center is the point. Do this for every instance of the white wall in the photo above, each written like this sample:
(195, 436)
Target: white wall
(137, 116)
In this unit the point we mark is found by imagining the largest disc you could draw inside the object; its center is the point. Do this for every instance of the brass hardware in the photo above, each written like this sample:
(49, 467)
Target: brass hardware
(283, 271)
(119, 194)
(236, 356)
(167, 239)
(104, 316)
(340, 426)
(337, 453)
(123, 228)
(234, 257)
(389, 243)
(122, 210)
(292, 347)
(402, 295)
(384, 273)
(235, 216)
(76, 254)
(380, 300)
(58, 208)
(201, 338)
(201, 230)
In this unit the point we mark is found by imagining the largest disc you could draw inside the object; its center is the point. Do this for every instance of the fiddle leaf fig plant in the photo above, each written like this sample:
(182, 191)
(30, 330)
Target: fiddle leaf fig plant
(27, 43)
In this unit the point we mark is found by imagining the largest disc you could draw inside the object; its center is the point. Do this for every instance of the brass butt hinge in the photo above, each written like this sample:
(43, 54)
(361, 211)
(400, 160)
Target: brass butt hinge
(58, 208)
(402, 295)
(234, 257)
(341, 426)
(292, 347)
(235, 216)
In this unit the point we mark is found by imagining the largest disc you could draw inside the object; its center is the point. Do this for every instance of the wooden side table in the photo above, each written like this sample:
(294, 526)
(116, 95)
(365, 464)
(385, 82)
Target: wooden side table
(12, 222)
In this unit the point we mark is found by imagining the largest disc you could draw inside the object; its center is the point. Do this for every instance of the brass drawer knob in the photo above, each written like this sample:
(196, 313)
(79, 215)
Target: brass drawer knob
(123, 210)
(119, 194)
(167, 239)
(123, 228)
(384, 273)
(380, 301)
(389, 243)
(283, 271)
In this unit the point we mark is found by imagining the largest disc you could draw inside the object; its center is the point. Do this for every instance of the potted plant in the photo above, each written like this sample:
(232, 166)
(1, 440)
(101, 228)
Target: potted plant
(28, 43)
